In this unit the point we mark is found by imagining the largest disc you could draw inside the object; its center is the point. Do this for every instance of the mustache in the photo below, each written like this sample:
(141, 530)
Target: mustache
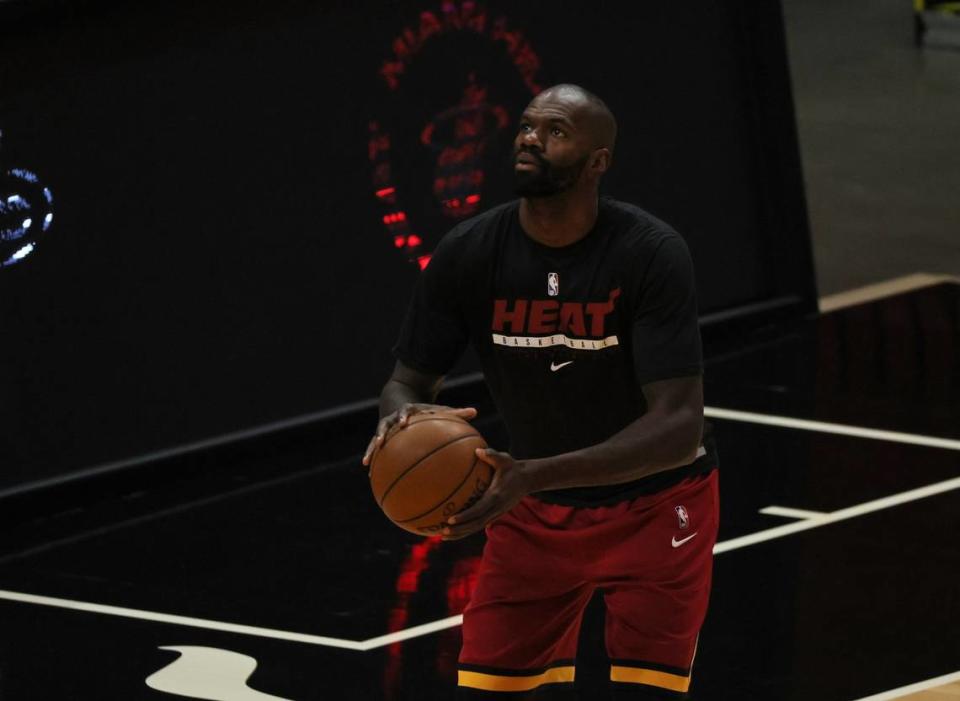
(535, 155)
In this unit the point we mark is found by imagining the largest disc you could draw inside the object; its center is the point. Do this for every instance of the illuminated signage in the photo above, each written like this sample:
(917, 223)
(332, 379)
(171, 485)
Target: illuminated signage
(483, 71)
(26, 212)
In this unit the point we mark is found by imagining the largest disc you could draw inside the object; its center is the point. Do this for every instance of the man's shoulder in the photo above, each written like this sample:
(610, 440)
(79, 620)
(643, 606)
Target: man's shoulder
(636, 228)
(485, 224)
(471, 240)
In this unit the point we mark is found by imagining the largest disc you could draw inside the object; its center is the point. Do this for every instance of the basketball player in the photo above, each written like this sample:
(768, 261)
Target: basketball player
(583, 313)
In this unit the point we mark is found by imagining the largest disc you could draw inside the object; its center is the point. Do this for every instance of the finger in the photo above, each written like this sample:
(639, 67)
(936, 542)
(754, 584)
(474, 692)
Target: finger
(383, 427)
(465, 413)
(465, 528)
(492, 457)
(371, 448)
(457, 536)
(477, 512)
(369, 451)
(461, 532)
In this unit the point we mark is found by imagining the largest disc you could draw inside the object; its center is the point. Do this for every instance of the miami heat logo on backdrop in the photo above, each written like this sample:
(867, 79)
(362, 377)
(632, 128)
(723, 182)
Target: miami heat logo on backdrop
(454, 83)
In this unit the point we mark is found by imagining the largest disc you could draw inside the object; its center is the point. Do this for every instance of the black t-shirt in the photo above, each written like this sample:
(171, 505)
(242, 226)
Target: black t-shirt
(566, 336)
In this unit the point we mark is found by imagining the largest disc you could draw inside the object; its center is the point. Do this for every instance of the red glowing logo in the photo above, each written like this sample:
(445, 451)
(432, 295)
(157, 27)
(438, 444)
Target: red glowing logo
(482, 71)
(459, 135)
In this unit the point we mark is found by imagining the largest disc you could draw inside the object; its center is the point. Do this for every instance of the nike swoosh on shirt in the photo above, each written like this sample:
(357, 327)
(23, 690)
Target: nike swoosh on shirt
(677, 543)
(556, 366)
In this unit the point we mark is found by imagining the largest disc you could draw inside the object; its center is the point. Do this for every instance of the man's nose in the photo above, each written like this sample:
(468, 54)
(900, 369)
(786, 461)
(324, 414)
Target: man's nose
(531, 138)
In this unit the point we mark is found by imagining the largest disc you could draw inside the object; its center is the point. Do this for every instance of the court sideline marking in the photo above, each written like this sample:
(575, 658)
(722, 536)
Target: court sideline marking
(912, 688)
(825, 304)
(810, 520)
(836, 429)
(790, 512)
(879, 290)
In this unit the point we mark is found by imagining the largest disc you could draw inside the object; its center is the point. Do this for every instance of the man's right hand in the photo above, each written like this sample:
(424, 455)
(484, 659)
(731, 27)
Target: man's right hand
(401, 416)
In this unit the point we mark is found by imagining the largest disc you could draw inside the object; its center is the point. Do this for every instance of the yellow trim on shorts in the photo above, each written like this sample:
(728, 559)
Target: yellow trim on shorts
(635, 675)
(495, 682)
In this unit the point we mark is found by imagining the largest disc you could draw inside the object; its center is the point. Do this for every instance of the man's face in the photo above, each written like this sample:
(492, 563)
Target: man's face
(550, 149)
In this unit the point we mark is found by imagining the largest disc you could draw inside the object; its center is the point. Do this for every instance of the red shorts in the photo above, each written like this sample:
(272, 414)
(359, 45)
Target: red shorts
(652, 558)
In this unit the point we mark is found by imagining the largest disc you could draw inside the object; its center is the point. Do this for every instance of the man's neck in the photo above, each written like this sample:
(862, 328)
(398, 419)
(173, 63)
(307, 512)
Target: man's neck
(559, 220)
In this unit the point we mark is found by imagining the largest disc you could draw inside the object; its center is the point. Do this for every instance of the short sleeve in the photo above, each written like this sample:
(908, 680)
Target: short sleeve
(433, 335)
(666, 332)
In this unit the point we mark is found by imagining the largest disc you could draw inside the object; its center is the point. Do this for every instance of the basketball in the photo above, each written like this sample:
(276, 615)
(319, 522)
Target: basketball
(428, 470)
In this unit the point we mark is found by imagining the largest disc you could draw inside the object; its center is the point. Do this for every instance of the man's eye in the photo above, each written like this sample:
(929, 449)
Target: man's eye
(524, 127)
(557, 131)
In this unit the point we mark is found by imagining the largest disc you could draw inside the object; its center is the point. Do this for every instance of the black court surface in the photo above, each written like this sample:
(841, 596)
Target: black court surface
(264, 570)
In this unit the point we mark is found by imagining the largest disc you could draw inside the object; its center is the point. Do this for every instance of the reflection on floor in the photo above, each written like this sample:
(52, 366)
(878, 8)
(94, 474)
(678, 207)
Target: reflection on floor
(273, 562)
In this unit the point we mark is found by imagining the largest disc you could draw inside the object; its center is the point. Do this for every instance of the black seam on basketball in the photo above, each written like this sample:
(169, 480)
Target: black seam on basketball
(430, 418)
(473, 466)
(404, 473)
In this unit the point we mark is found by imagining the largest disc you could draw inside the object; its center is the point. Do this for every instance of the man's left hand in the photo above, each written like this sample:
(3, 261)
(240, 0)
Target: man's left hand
(508, 487)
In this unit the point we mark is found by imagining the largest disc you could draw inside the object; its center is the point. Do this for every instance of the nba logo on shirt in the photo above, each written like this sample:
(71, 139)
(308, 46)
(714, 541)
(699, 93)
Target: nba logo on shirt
(682, 515)
(553, 284)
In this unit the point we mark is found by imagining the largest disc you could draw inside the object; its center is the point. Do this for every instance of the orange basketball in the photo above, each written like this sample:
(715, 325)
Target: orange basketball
(427, 471)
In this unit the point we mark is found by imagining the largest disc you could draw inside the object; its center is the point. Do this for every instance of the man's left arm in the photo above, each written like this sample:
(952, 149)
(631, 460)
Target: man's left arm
(667, 436)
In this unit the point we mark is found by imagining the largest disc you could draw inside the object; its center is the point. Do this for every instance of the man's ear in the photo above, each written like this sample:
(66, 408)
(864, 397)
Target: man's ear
(600, 163)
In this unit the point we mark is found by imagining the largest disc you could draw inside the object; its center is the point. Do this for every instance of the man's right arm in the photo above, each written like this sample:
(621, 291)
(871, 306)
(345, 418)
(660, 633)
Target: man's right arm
(408, 392)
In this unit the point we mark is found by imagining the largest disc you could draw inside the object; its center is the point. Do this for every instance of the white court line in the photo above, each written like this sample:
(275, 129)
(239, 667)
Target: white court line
(379, 641)
(417, 631)
(179, 620)
(867, 507)
(790, 512)
(839, 429)
(725, 546)
(452, 621)
(912, 688)
(879, 290)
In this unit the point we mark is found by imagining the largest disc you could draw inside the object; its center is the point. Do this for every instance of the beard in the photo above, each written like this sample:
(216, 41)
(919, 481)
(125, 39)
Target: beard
(546, 179)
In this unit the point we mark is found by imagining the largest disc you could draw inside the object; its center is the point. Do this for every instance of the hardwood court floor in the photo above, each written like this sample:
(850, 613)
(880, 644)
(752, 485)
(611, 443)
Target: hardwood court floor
(950, 692)
(835, 572)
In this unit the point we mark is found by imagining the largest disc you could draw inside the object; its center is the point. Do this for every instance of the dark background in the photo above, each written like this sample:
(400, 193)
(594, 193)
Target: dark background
(218, 258)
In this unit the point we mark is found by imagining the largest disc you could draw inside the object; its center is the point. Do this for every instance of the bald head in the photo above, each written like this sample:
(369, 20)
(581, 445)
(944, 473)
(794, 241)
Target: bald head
(564, 142)
(589, 110)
